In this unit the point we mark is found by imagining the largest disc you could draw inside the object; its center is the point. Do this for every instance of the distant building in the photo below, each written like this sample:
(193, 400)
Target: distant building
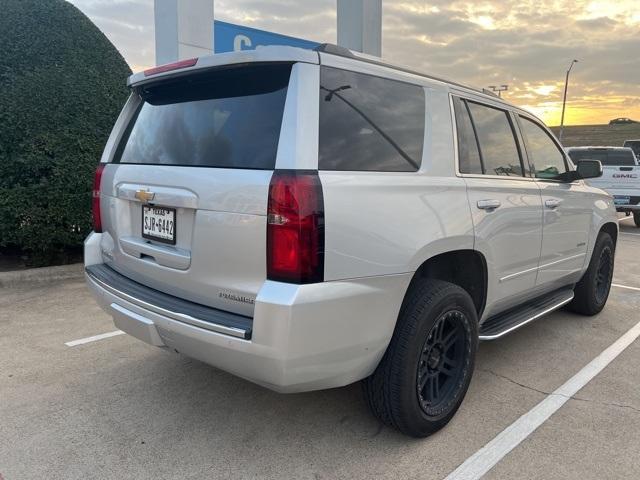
(621, 121)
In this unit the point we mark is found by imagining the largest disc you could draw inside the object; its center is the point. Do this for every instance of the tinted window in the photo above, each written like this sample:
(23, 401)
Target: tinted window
(607, 157)
(545, 158)
(498, 148)
(369, 123)
(633, 145)
(228, 118)
(468, 154)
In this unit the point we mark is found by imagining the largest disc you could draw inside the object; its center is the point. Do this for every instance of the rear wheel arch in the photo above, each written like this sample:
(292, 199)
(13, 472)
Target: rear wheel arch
(465, 268)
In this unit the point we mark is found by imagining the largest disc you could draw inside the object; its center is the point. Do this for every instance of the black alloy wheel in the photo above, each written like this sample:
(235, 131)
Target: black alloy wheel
(604, 274)
(442, 362)
(592, 291)
(425, 373)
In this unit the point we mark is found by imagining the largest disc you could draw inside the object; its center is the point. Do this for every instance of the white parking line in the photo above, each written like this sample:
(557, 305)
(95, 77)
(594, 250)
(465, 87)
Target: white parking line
(488, 456)
(625, 286)
(627, 233)
(95, 338)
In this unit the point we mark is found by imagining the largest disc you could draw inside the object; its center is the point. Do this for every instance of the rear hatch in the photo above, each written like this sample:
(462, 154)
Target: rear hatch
(619, 167)
(184, 197)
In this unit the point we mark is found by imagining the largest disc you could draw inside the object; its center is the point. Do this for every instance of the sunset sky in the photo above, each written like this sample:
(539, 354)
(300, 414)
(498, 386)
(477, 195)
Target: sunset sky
(526, 44)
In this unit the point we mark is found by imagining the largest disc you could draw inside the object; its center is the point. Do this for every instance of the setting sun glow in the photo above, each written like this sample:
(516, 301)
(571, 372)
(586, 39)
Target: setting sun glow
(529, 45)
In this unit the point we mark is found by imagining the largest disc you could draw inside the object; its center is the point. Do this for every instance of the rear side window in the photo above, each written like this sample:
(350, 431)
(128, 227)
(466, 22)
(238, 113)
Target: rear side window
(611, 158)
(468, 153)
(498, 148)
(369, 123)
(226, 118)
(545, 157)
(633, 145)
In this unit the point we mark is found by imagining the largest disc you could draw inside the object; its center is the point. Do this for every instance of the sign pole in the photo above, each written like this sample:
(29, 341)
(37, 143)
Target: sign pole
(184, 29)
(360, 25)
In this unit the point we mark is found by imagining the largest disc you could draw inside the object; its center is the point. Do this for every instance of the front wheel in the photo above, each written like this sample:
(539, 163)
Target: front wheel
(425, 372)
(636, 218)
(592, 291)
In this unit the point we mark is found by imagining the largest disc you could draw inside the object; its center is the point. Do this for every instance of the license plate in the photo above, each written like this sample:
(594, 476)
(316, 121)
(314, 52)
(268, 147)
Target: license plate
(620, 200)
(159, 224)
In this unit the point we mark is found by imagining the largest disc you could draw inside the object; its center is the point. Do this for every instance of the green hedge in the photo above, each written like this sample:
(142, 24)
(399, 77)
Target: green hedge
(62, 85)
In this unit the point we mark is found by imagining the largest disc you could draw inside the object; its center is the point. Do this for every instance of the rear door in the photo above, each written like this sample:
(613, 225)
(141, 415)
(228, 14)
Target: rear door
(185, 193)
(567, 210)
(505, 205)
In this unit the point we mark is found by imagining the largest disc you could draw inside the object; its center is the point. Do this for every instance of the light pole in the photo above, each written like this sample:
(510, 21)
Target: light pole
(564, 98)
(499, 90)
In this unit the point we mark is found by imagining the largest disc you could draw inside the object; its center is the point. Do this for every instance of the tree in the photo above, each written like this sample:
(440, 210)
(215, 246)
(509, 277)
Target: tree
(62, 85)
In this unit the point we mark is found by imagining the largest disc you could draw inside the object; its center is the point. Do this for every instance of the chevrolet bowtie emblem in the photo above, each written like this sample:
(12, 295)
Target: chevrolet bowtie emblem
(145, 195)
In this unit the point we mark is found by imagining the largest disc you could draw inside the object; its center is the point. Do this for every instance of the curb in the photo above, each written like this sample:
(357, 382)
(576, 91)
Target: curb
(39, 275)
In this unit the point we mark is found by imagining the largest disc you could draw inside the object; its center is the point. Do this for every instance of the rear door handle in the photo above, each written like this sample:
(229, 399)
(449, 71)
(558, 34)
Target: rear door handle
(488, 204)
(552, 203)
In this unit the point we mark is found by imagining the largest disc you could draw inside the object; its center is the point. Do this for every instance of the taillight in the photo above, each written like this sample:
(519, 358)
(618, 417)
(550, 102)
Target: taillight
(95, 199)
(295, 227)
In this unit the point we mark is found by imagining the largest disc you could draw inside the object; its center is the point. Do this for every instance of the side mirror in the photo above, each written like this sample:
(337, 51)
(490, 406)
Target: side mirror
(589, 168)
(584, 169)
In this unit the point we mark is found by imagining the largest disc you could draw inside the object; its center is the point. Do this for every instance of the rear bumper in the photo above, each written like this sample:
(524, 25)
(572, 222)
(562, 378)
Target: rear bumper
(628, 208)
(170, 306)
(625, 200)
(302, 337)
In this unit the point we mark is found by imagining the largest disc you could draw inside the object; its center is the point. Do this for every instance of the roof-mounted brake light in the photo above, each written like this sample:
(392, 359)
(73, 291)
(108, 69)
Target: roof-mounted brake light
(190, 62)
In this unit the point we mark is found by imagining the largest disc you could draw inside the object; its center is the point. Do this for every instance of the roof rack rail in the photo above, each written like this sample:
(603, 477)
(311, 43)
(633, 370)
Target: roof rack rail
(334, 50)
(490, 92)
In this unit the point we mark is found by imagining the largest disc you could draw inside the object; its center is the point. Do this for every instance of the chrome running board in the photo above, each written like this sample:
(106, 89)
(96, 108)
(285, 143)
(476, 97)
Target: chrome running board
(506, 322)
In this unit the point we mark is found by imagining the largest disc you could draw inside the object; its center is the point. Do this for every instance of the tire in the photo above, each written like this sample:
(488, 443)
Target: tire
(592, 291)
(636, 218)
(434, 314)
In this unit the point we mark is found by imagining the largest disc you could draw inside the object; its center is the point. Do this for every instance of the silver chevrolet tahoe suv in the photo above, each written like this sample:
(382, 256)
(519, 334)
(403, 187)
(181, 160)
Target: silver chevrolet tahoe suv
(308, 219)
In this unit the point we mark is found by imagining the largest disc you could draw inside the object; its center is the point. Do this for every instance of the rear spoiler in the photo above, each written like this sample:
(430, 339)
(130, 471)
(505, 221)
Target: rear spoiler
(260, 55)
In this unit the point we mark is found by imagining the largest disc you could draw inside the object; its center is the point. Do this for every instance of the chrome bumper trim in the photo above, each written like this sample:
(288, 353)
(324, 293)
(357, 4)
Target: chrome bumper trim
(234, 332)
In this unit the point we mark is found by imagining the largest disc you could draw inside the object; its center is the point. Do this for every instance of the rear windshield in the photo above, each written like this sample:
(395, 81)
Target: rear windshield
(633, 145)
(606, 157)
(227, 119)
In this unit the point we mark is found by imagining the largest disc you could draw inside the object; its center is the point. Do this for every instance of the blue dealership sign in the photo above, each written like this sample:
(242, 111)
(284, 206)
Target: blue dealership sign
(232, 38)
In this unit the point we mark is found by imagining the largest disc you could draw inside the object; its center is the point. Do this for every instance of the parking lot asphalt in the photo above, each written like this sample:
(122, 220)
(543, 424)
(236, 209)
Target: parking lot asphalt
(118, 408)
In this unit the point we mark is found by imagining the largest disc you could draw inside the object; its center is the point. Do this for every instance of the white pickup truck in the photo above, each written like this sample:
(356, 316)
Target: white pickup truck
(620, 177)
